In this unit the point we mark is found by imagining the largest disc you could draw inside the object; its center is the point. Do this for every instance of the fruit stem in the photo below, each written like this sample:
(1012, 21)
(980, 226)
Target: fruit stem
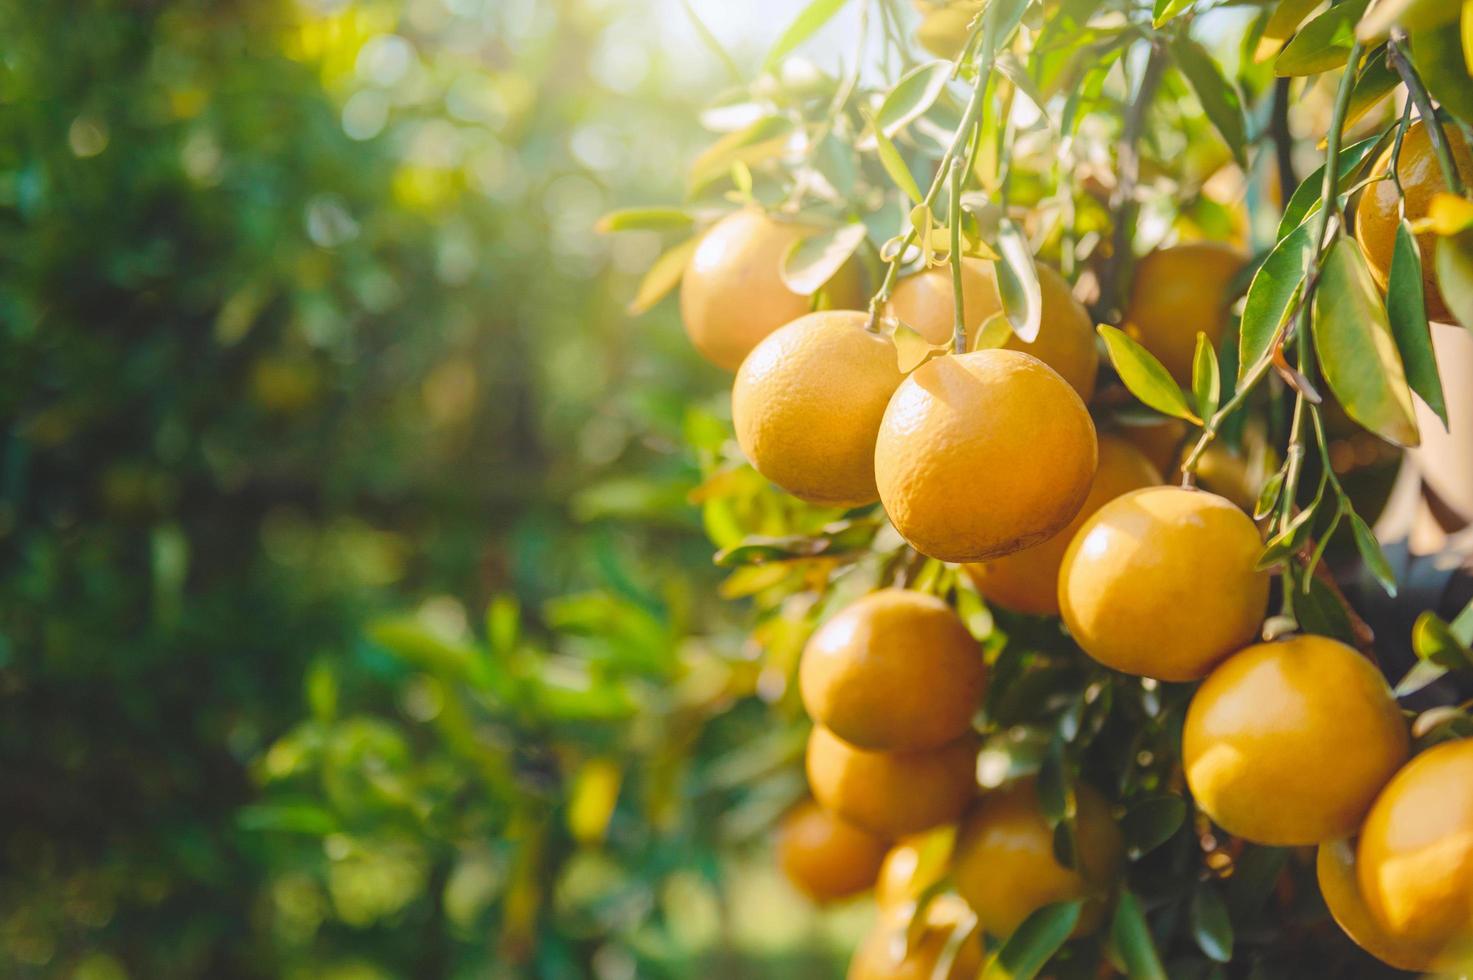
(1396, 53)
(954, 218)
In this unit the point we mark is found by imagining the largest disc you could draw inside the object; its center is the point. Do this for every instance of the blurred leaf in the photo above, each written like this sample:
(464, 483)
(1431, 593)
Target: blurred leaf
(1322, 611)
(1423, 673)
(663, 276)
(1220, 100)
(1324, 43)
(1055, 789)
(894, 165)
(292, 818)
(1282, 23)
(503, 624)
(1405, 309)
(650, 219)
(804, 26)
(592, 799)
(762, 140)
(1437, 54)
(814, 260)
(1151, 822)
(1017, 282)
(1410, 14)
(1268, 495)
(1164, 10)
(1357, 350)
(1434, 642)
(1034, 942)
(1211, 926)
(1271, 296)
(1449, 214)
(1289, 540)
(917, 90)
(1131, 936)
(1145, 376)
(1455, 275)
(322, 690)
(1370, 553)
(1206, 379)
(1255, 872)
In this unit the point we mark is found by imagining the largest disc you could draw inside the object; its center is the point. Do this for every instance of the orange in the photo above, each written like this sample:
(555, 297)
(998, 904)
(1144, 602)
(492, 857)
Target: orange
(1288, 743)
(1066, 335)
(912, 866)
(892, 793)
(1160, 582)
(807, 405)
(1377, 214)
(1027, 581)
(1335, 868)
(895, 670)
(824, 857)
(885, 955)
(1415, 857)
(1004, 863)
(983, 454)
(732, 294)
(1178, 292)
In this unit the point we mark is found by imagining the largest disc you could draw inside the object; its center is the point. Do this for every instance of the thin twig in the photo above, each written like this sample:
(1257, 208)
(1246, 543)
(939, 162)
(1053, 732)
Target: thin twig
(1395, 51)
(1123, 204)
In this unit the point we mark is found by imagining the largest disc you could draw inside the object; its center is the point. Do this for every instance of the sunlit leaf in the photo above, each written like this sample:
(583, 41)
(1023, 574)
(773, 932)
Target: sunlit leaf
(1414, 15)
(1449, 214)
(1220, 100)
(804, 26)
(1268, 495)
(1206, 379)
(1437, 54)
(911, 349)
(1164, 10)
(1307, 195)
(1271, 296)
(1324, 43)
(1376, 81)
(1017, 282)
(591, 802)
(1455, 275)
(663, 276)
(1434, 642)
(764, 139)
(1131, 936)
(894, 165)
(916, 92)
(1145, 376)
(1034, 942)
(1357, 350)
(1282, 24)
(644, 219)
(814, 260)
(1406, 309)
(1211, 926)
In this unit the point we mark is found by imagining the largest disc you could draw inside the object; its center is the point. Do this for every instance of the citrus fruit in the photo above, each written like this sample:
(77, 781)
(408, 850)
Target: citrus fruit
(1176, 293)
(1377, 214)
(733, 294)
(884, 954)
(895, 670)
(1160, 582)
(807, 404)
(1335, 868)
(943, 27)
(913, 865)
(1004, 863)
(1415, 856)
(982, 454)
(1027, 581)
(891, 793)
(824, 857)
(1288, 743)
(1066, 336)
(1161, 441)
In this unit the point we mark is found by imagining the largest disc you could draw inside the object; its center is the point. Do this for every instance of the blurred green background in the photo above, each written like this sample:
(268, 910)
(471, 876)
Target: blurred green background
(354, 620)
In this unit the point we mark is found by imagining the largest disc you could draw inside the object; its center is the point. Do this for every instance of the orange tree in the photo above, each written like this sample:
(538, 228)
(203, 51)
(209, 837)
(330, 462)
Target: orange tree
(1122, 568)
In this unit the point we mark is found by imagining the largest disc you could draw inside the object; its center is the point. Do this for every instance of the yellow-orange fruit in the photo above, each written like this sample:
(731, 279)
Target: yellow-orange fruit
(824, 857)
(895, 670)
(1027, 581)
(1288, 743)
(732, 294)
(1414, 861)
(1377, 214)
(1335, 868)
(885, 955)
(1160, 582)
(1004, 863)
(1161, 441)
(912, 866)
(892, 793)
(807, 404)
(1177, 293)
(1066, 336)
(982, 454)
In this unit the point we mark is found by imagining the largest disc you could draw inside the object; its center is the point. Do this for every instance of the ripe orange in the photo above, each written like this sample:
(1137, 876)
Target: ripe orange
(1066, 336)
(1004, 863)
(732, 294)
(824, 857)
(1178, 292)
(892, 793)
(943, 28)
(913, 865)
(1415, 857)
(1288, 743)
(885, 955)
(982, 454)
(807, 405)
(1335, 868)
(1027, 581)
(1377, 213)
(894, 671)
(1161, 583)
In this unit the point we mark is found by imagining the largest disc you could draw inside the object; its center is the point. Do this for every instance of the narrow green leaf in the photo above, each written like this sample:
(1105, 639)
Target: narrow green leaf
(1371, 554)
(1434, 642)
(1206, 378)
(1324, 43)
(1033, 944)
(804, 26)
(1322, 611)
(894, 165)
(1152, 822)
(917, 90)
(663, 276)
(1377, 80)
(1211, 926)
(1131, 935)
(1437, 54)
(1455, 275)
(1357, 350)
(1164, 10)
(1145, 376)
(1406, 309)
(1268, 495)
(1254, 874)
(1271, 296)
(1423, 673)
(1306, 196)
(1289, 540)
(1220, 100)
(813, 261)
(643, 219)
(1017, 282)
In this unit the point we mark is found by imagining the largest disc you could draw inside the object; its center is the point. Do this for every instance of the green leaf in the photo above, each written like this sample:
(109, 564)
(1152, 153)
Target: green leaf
(1055, 790)
(1220, 100)
(1145, 376)
(1434, 642)
(894, 165)
(1211, 926)
(1164, 10)
(1437, 55)
(1131, 935)
(1414, 15)
(1152, 822)
(1423, 673)
(1034, 942)
(1462, 626)
(293, 818)
(813, 261)
(1377, 80)
(1254, 874)
(1357, 349)
(1206, 378)
(1324, 43)
(1371, 554)
(1321, 611)
(1406, 309)
(1017, 282)
(1268, 495)
(1455, 275)
(1306, 196)
(804, 26)
(663, 276)
(643, 219)
(1271, 296)
(917, 90)
(762, 140)
(1289, 540)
